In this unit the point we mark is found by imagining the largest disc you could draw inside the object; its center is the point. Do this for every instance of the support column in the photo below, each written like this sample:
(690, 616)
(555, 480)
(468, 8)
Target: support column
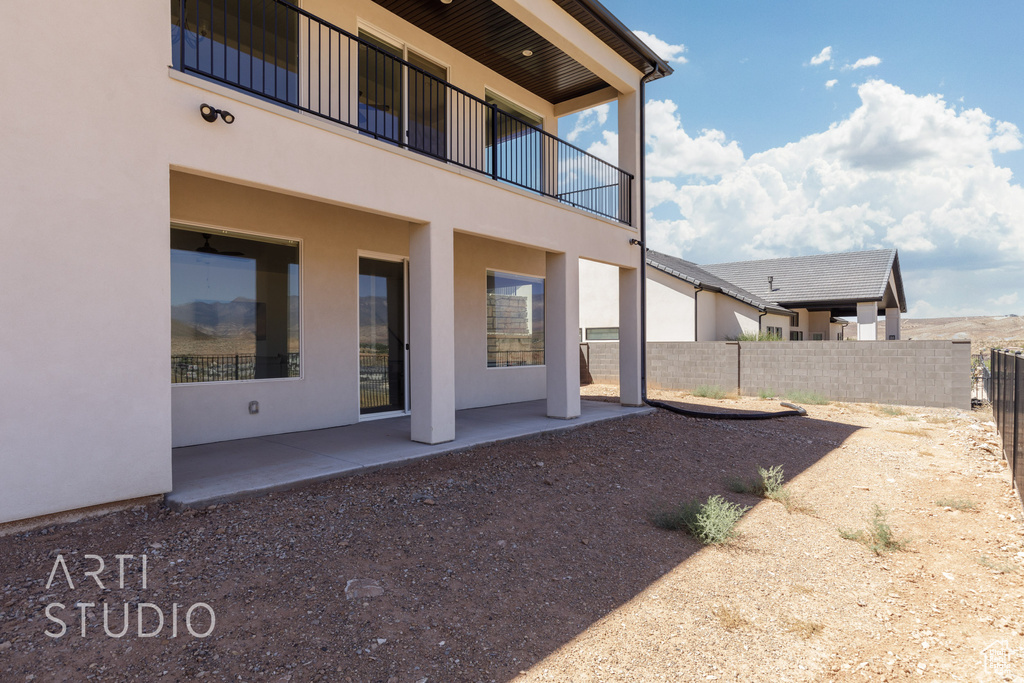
(867, 321)
(561, 334)
(892, 323)
(630, 147)
(432, 333)
(630, 392)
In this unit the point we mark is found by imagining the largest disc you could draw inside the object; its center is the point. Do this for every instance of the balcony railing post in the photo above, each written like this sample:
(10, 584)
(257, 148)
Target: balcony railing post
(494, 141)
(181, 34)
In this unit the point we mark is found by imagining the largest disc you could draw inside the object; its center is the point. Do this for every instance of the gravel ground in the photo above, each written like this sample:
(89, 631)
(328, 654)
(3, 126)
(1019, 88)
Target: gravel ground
(535, 560)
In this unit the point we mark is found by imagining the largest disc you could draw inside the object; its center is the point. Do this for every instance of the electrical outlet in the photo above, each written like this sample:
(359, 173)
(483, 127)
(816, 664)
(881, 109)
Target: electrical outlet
(254, 407)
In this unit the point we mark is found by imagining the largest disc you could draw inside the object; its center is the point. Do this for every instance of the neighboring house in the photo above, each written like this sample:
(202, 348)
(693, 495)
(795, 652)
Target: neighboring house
(798, 298)
(228, 220)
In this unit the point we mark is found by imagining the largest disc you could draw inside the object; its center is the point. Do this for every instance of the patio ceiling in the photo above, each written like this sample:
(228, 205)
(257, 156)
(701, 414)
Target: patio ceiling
(495, 38)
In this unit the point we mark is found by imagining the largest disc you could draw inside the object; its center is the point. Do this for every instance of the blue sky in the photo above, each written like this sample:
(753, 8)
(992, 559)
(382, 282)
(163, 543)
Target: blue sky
(805, 127)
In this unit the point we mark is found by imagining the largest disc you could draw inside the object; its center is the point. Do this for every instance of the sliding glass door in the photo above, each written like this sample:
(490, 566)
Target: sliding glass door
(381, 336)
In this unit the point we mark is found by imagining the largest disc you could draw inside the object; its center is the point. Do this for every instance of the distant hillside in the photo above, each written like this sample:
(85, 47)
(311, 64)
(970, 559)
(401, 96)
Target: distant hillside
(985, 332)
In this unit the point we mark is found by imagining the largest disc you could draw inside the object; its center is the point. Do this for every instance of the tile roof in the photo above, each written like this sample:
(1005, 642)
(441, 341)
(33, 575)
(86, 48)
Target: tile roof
(846, 277)
(697, 276)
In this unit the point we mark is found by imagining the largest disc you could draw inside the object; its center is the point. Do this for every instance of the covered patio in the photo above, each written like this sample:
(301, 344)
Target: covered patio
(213, 473)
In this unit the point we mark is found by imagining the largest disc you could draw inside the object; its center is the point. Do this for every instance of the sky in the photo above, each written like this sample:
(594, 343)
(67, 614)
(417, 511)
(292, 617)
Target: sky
(798, 127)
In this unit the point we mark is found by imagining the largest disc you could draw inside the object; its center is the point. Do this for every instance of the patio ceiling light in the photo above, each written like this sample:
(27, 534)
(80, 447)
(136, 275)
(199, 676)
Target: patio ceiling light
(527, 53)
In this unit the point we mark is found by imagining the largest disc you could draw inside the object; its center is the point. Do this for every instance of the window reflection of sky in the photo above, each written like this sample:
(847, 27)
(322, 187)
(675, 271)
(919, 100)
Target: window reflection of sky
(211, 277)
(216, 277)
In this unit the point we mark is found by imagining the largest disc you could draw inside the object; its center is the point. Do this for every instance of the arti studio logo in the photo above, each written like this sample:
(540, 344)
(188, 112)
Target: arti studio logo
(150, 619)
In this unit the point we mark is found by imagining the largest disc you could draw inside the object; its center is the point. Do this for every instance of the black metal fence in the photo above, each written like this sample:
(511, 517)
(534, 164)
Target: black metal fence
(279, 52)
(1007, 392)
(189, 368)
(513, 359)
(374, 384)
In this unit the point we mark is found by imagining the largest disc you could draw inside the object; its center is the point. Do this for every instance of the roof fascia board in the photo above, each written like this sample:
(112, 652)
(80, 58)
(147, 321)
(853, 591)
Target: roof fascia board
(563, 31)
(624, 32)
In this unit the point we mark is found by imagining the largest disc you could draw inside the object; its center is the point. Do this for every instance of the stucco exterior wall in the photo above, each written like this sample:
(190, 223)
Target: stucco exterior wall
(98, 143)
(669, 308)
(85, 396)
(733, 318)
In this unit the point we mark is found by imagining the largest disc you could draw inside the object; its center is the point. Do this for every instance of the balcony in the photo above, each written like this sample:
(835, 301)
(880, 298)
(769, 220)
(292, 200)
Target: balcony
(280, 53)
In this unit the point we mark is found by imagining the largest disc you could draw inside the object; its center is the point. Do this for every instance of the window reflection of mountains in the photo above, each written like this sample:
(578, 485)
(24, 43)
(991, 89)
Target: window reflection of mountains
(373, 320)
(237, 318)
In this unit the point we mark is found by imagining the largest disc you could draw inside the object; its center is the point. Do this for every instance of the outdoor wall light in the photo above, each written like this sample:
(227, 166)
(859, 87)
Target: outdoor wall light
(210, 114)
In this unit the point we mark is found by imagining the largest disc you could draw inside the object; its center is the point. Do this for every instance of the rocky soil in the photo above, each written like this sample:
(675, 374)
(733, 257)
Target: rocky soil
(535, 560)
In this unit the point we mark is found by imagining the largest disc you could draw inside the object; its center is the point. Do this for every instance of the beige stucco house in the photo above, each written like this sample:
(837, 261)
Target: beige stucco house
(800, 298)
(226, 220)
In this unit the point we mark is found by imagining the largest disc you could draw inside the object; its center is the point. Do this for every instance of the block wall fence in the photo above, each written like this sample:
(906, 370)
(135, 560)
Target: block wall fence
(913, 373)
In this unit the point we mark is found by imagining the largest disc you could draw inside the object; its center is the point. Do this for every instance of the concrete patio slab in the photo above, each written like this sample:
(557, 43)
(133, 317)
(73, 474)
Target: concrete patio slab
(230, 470)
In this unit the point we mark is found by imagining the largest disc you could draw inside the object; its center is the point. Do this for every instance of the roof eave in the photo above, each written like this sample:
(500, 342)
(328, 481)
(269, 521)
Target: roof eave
(660, 66)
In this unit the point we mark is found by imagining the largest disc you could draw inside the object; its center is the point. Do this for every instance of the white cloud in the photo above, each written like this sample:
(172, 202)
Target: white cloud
(863, 63)
(830, 84)
(675, 153)
(607, 147)
(665, 50)
(588, 120)
(901, 170)
(822, 57)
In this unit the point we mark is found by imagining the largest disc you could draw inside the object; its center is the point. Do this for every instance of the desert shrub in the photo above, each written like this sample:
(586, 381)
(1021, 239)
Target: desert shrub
(891, 411)
(961, 504)
(810, 397)
(879, 537)
(755, 336)
(711, 522)
(766, 393)
(709, 391)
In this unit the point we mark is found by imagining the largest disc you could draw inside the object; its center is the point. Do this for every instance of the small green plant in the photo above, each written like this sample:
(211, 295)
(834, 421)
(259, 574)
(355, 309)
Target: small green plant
(755, 336)
(809, 397)
(912, 418)
(962, 504)
(709, 391)
(712, 522)
(767, 393)
(1003, 567)
(891, 411)
(879, 537)
(771, 481)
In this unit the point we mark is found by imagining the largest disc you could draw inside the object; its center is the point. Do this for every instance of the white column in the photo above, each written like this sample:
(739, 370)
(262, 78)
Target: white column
(630, 146)
(867, 321)
(892, 323)
(432, 333)
(561, 332)
(629, 337)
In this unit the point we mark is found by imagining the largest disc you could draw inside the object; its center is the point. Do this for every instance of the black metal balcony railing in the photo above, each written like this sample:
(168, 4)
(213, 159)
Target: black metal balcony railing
(190, 368)
(281, 53)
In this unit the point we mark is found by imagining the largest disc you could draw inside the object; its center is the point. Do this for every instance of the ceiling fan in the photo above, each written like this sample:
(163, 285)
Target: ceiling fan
(207, 249)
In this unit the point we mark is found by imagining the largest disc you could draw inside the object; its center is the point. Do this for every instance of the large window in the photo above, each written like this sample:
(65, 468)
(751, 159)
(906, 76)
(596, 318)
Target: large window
(515, 320)
(234, 307)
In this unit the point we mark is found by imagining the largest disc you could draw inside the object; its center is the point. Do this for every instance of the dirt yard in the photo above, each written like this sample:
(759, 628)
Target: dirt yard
(536, 561)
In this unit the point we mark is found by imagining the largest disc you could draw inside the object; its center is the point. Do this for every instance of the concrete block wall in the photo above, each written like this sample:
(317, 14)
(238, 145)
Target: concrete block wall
(604, 362)
(688, 365)
(915, 373)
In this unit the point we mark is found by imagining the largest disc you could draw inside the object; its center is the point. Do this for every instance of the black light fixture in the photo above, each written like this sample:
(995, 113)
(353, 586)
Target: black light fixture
(210, 114)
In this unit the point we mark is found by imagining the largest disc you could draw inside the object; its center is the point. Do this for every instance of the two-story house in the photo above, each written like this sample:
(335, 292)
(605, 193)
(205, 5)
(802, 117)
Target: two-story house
(233, 218)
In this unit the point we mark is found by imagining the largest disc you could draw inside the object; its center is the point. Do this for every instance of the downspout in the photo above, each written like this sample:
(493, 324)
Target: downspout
(795, 409)
(696, 290)
(762, 314)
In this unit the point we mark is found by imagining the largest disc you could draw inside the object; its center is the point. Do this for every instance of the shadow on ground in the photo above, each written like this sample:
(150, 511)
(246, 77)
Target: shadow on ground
(489, 559)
